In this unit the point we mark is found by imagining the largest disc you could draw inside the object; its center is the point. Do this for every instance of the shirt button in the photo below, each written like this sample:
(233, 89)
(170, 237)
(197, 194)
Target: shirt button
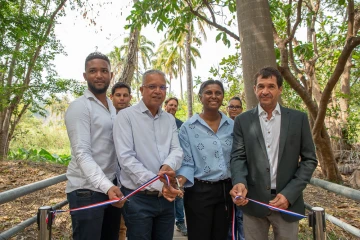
(269, 132)
(268, 146)
(265, 120)
(267, 188)
(267, 169)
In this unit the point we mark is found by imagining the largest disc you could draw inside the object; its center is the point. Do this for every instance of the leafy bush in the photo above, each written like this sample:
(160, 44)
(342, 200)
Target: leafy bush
(35, 155)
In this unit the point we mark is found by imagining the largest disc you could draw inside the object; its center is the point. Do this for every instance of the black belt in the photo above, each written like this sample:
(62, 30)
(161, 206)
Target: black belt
(273, 191)
(210, 182)
(145, 192)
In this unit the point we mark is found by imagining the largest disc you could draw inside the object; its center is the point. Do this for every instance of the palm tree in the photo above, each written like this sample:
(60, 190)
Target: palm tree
(167, 63)
(144, 52)
(117, 61)
(176, 46)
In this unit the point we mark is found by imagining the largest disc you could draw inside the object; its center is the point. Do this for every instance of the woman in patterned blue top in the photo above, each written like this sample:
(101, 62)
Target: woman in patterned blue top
(206, 140)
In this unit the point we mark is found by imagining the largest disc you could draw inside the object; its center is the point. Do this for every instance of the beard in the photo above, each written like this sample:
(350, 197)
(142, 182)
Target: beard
(96, 90)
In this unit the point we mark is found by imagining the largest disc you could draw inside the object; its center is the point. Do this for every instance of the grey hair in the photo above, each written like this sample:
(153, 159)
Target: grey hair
(152, 71)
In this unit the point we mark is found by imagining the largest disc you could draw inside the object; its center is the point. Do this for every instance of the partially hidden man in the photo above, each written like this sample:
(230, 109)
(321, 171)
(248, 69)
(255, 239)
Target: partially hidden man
(91, 171)
(147, 144)
(272, 160)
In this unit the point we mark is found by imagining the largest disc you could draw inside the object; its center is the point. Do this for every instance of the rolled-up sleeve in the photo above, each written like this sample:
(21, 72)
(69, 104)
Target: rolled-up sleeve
(188, 166)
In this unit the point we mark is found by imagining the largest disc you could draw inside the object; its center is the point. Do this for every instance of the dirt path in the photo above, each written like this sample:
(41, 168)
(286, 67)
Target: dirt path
(18, 173)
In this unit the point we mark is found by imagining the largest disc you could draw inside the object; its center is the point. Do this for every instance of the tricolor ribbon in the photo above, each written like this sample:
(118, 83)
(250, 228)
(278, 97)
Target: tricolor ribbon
(233, 225)
(274, 208)
(115, 199)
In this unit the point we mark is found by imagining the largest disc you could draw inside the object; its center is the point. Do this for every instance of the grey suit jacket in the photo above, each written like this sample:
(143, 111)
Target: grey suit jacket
(250, 165)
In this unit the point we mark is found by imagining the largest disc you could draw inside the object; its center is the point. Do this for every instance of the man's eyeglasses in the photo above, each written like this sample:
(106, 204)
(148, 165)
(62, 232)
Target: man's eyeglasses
(234, 107)
(153, 87)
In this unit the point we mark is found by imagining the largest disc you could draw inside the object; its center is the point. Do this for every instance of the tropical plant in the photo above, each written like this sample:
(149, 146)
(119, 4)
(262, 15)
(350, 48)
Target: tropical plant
(144, 52)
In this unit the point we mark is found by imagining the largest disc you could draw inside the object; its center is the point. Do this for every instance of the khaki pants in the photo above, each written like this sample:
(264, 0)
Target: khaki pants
(122, 231)
(258, 228)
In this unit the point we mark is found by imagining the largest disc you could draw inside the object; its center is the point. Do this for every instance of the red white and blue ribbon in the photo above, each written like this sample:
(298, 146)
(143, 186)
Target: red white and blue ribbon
(154, 179)
(233, 225)
(274, 208)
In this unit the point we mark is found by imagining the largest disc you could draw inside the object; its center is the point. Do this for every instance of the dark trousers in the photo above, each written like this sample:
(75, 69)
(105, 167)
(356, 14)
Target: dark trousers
(101, 223)
(239, 228)
(208, 210)
(148, 217)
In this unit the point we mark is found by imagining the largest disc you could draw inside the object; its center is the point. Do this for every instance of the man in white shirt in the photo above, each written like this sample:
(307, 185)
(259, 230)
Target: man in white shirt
(91, 171)
(146, 141)
(273, 158)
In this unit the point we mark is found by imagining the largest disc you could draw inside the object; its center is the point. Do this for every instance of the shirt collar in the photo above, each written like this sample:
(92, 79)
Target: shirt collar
(277, 110)
(224, 119)
(143, 108)
(89, 94)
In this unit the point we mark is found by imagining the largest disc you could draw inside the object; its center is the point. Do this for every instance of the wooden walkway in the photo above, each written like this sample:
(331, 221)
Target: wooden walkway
(178, 236)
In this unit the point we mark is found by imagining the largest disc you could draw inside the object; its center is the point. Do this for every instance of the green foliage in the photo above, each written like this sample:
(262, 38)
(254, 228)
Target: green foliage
(230, 74)
(291, 99)
(35, 155)
(176, 15)
(27, 49)
(35, 132)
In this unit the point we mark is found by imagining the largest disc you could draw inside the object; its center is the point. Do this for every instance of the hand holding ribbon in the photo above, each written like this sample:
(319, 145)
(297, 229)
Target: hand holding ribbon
(168, 191)
(115, 193)
(238, 194)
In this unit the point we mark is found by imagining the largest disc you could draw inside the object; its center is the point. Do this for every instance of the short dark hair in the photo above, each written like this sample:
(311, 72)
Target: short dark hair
(120, 85)
(267, 72)
(171, 98)
(210, 82)
(236, 98)
(96, 55)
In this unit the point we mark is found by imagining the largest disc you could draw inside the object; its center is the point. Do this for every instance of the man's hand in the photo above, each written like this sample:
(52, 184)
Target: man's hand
(171, 193)
(166, 169)
(280, 201)
(113, 193)
(240, 191)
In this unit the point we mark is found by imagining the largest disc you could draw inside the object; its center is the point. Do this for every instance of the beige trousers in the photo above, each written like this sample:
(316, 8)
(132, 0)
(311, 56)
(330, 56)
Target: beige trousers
(258, 228)
(122, 231)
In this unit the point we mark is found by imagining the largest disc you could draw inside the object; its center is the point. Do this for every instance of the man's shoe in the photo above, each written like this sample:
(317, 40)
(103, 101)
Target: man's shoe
(181, 228)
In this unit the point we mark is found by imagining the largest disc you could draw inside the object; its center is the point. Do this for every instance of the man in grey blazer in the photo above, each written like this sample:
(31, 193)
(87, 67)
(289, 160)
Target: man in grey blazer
(272, 160)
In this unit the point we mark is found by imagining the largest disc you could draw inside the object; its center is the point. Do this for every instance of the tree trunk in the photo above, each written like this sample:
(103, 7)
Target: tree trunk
(130, 64)
(4, 132)
(180, 74)
(327, 158)
(170, 78)
(188, 72)
(131, 59)
(256, 41)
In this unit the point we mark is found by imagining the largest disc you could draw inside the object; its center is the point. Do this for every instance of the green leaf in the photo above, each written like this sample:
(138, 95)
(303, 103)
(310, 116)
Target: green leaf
(218, 37)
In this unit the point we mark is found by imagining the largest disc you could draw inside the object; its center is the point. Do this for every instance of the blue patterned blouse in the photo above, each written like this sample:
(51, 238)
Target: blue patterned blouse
(206, 154)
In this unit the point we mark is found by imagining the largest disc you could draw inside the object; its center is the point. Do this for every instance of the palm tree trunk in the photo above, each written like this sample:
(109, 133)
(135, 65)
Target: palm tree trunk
(180, 74)
(130, 64)
(188, 71)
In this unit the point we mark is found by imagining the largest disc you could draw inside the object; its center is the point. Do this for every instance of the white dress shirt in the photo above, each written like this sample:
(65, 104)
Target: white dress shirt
(93, 157)
(271, 132)
(144, 143)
